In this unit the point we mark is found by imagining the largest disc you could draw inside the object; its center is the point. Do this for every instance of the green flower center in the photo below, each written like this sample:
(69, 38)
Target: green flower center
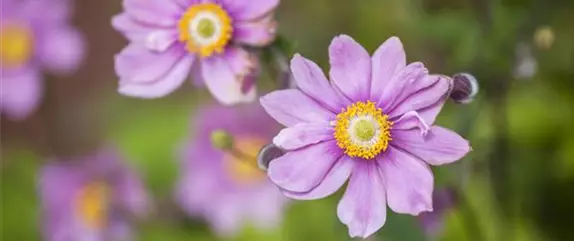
(364, 130)
(206, 28)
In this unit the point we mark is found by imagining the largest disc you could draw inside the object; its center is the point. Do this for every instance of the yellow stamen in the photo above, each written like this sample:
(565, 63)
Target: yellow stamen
(243, 168)
(206, 28)
(16, 44)
(362, 130)
(92, 204)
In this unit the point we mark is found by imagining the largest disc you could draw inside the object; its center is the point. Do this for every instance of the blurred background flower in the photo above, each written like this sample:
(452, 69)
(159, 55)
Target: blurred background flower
(515, 185)
(220, 179)
(34, 36)
(93, 197)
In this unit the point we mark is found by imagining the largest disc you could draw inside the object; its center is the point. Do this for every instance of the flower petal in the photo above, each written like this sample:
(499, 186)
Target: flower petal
(439, 146)
(302, 170)
(20, 93)
(350, 67)
(161, 40)
(226, 76)
(291, 106)
(153, 12)
(411, 120)
(135, 63)
(363, 207)
(409, 182)
(311, 80)
(161, 86)
(336, 177)
(424, 97)
(248, 10)
(303, 134)
(131, 29)
(258, 33)
(387, 61)
(402, 85)
(62, 50)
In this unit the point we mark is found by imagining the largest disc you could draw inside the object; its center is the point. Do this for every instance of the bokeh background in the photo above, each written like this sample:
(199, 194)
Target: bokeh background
(517, 183)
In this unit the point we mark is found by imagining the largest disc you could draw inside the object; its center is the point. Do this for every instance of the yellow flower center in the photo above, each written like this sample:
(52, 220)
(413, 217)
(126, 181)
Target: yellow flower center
(16, 44)
(205, 28)
(243, 168)
(362, 130)
(92, 204)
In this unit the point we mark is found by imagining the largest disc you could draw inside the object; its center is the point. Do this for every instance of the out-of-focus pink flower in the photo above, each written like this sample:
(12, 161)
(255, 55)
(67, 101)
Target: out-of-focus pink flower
(90, 198)
(173, 39)
(34, 35)
(372, 124)
(433, 222)
(226, 188)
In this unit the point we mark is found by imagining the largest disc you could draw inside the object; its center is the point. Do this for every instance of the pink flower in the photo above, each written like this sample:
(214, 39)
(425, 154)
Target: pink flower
(372, 124)
(35, 35)
(226, 189)
(91, 198)
(172, 39)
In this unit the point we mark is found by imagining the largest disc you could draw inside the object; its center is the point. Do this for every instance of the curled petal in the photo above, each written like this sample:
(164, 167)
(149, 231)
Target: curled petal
(303, 134)
(363, 207)
(350, 67)
(387, 61)
(424, 97)
(161, 40)
(290, 107)
(131, 29)
(402, 85)
(258, 33)
(409, 182)
(336, 177)
(228, 76)
(411, 120)
(439, 146)
(302, 170)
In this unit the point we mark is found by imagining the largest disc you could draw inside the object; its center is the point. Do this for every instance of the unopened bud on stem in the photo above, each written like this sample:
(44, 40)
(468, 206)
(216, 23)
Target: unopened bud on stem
(465, 87)
(267, 154)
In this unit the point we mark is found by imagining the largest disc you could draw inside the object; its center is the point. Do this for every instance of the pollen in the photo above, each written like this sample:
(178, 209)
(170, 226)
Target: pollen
(205, 29)
(362, 130)
(92, 204)
(16, 44)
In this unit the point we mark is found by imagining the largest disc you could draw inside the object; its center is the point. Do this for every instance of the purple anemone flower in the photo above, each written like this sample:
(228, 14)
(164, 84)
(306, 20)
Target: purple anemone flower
(90, 198)
(444, 200)
(172, 39)
(226, 188)
(35, 35)
(372, 124)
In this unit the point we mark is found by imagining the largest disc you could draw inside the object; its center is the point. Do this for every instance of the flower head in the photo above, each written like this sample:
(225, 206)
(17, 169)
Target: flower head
(90, 198)
(220, 179)
(172, 39)
(34, 35)
(373, 124)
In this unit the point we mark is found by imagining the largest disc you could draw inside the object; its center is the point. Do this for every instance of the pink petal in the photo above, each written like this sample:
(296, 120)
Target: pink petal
(161, 40)
(153, 12)
(411, 120)
(290, 107)
(135, 63)
(424, 97)
(250, 10)
(258, 33)
(20, 93)
(225, 76)
(387, 61)
(350, 67)
(133, 30)
(336, 177)
(311, 80)
(363, 207)
(402, 85)
(409, 182)
(439, 146)
(303, 134)
(62, 50)
(161, 86)
(302, 170)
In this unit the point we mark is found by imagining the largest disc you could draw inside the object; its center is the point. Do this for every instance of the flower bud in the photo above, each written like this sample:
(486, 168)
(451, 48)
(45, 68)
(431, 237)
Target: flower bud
(464, 88)
(221, 139)
(268, 153)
